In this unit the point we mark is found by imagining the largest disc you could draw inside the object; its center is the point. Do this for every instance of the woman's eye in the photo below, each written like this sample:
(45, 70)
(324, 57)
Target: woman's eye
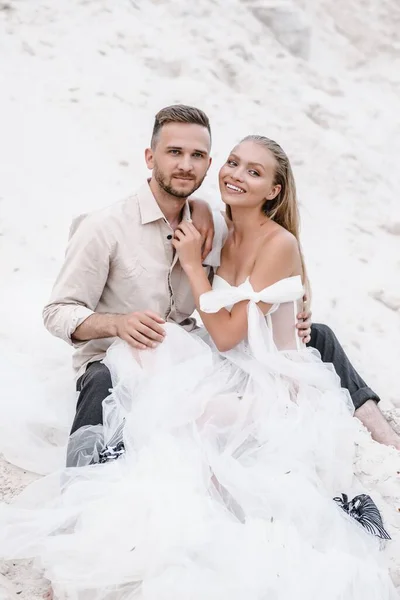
(231, 163)
(255, 173)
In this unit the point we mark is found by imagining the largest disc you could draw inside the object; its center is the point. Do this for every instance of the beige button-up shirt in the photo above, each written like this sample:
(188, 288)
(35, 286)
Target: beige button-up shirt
(120, 259)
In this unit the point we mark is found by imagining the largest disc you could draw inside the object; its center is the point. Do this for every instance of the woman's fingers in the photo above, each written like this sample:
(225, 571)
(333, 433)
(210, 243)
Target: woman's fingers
(187, 229)
(182, 229)
(179, 235)
(192, 229)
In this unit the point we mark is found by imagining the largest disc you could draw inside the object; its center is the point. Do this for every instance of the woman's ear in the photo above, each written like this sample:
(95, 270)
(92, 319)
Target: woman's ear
(274, 192)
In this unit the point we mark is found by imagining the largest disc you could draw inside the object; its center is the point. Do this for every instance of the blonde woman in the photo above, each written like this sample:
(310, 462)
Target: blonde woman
(234, 443)
(258, 188)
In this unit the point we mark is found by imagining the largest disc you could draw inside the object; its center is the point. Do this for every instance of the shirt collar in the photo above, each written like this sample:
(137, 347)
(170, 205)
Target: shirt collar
(149, 209)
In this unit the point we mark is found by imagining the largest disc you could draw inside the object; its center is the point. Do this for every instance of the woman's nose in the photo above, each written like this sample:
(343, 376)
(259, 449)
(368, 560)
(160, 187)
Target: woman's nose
(238, 174)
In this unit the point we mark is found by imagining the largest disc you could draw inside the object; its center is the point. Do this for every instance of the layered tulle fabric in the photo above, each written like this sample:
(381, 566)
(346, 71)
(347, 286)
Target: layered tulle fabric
(225, 490)
(35, 414)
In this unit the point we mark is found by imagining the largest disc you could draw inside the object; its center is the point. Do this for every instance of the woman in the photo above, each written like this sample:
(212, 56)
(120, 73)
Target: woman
(234, 443)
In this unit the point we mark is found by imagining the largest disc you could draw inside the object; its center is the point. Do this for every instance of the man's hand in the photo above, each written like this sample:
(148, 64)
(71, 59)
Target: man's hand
(140, 329)
(203, 221)
(304, 322)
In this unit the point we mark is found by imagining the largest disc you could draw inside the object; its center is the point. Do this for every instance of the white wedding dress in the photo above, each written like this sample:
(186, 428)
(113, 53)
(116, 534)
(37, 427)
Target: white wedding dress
(225, 489)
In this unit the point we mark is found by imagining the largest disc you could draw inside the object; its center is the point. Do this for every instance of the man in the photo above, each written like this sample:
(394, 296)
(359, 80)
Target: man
(121, 277)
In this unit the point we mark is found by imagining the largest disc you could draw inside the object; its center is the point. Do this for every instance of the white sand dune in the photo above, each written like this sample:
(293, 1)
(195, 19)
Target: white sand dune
(80, 82)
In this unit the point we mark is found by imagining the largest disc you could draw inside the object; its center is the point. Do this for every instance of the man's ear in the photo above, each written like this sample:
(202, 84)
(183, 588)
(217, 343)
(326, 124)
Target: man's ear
(149, 158)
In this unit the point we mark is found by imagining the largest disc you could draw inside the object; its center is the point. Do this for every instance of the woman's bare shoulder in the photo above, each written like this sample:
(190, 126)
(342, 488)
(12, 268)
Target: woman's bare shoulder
(278, 255)
(280, 238)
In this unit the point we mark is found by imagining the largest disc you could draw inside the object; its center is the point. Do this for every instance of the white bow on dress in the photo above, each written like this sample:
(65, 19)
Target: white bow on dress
(285, 290)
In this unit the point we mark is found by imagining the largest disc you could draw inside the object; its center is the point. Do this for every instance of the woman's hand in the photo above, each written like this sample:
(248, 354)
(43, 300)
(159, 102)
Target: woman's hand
(188, 244)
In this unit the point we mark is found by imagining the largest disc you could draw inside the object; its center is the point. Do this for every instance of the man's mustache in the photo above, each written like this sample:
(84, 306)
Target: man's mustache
(183, 176)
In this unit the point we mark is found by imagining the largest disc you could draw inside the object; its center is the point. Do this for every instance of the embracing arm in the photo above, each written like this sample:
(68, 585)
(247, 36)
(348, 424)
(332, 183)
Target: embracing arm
(278, 258)
(202, 217)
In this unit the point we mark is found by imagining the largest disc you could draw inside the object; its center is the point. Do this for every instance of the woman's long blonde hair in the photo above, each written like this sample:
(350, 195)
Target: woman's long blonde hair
(283, 209)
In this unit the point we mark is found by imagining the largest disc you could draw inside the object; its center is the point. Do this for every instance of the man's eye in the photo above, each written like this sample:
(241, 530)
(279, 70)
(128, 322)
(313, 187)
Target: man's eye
(197, 155)
(175, 152)
(255, 173)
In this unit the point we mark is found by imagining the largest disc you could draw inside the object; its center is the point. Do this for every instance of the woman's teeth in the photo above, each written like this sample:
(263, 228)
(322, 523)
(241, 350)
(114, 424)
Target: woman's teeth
(234, 188)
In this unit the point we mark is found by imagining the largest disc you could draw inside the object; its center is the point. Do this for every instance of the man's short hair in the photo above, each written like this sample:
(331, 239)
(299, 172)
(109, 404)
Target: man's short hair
(178, 113)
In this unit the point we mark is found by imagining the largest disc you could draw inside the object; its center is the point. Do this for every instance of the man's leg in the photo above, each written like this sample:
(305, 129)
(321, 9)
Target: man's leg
(364, 399)
(93, 387)
(331, 351)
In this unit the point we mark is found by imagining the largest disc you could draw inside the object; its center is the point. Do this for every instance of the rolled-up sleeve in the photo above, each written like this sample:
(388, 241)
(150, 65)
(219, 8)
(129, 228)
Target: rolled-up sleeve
(81, 281)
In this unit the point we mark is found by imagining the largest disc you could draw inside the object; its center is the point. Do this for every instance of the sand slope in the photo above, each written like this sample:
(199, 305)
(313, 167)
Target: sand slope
(80, 82)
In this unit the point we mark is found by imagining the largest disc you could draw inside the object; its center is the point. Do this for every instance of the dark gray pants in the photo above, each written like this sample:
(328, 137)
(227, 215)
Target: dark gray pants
(94, 385)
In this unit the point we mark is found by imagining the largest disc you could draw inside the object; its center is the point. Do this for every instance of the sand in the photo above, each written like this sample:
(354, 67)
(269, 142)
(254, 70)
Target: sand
(80, 82)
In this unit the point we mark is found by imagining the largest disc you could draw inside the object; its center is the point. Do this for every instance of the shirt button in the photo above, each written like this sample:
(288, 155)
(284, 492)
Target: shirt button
(169, 237)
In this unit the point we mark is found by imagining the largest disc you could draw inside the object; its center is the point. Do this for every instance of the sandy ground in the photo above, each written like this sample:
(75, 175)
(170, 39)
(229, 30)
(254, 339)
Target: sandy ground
(80, 82)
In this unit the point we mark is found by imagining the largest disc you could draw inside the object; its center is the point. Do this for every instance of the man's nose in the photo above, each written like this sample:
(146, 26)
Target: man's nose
(185, 163)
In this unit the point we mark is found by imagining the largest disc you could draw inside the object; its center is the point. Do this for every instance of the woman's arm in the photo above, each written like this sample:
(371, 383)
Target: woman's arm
(278, 258)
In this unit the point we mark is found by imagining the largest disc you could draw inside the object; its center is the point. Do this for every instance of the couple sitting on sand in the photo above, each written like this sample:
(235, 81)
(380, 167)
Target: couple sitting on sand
(203, 462)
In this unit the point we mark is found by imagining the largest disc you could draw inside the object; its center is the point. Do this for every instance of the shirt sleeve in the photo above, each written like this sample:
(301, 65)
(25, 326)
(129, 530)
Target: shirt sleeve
(81, 281)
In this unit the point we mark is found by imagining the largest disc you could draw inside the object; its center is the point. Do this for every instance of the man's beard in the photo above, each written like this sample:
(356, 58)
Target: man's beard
(168, 187)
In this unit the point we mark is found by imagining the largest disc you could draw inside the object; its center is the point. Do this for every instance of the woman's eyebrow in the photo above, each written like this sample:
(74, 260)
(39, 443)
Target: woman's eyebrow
(255, 164)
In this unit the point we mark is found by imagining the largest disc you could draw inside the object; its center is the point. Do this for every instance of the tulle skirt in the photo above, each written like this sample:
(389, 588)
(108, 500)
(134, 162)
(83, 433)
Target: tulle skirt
(225, 489)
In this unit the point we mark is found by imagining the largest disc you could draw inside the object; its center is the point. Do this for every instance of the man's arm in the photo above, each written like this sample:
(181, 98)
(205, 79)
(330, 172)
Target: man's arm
(202, 217)
(140, 329)
(95, 327)
(71, 315)
(80, 283)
